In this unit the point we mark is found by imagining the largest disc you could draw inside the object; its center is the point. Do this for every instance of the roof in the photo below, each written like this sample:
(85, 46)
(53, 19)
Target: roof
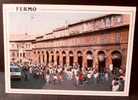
(91, 19)
(21, 37)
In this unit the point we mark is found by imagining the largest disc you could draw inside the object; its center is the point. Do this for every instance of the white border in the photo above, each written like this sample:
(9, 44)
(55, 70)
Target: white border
(70, 8)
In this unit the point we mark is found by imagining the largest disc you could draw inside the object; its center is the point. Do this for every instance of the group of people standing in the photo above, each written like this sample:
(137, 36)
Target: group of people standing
(57, 74)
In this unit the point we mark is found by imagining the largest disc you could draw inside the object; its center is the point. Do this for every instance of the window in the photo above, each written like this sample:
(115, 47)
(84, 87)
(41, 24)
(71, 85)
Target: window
(17, 45)
(20, 54)
(23, 54)
(13, 54)
(17, 54)
(108, 22)
(26, 45)
(119, 19)
(117, 37)
(12, 45)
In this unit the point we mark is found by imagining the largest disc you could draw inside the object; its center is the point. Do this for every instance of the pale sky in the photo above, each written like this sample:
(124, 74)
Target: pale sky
(43, 22)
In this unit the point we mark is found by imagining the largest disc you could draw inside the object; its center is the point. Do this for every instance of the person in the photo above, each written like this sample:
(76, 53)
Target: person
(41, 73)
(55, 78)
(30, 70)
(81, 78)
(47, 77)
(115, 86)
(106, 76)
(70, 74)
(111, 67)
(95, 76)
(77, 79)
(60, 77)
(25, 70)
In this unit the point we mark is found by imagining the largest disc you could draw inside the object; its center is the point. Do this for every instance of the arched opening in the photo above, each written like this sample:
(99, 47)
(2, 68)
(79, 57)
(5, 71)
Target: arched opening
(39, 59)
(52, 56)
(47, 54)
(71, 58)
(89, 59)
(64, 58)
(43, 57)
(57, 57)
(23, 54)
(116, 59)
(80, 58)
(101, 61)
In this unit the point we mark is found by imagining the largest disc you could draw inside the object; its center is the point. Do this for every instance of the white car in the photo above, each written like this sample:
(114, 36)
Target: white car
(15, 72)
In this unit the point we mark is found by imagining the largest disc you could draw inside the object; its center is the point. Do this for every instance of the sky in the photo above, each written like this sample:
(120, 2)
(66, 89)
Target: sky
(40, 23)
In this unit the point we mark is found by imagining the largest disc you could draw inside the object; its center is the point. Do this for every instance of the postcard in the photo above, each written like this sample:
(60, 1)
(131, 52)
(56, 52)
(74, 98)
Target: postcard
(68, 49)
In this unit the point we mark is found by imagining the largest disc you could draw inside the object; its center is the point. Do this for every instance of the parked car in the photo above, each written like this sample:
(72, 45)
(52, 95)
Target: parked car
(15, 72)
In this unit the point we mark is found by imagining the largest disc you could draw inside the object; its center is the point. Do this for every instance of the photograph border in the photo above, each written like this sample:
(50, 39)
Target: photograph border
(72, 8)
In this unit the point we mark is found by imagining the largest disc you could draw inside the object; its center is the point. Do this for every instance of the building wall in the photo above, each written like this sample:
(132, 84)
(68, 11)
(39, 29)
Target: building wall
(86, 39)
(20, 51)
(102, 41)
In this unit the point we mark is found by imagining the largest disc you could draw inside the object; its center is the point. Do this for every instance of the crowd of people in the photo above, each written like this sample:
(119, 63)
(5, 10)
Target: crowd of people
(56, 74)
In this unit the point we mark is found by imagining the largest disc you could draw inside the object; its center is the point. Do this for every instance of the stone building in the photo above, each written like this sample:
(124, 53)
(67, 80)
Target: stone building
(20, 48)
(97, 42)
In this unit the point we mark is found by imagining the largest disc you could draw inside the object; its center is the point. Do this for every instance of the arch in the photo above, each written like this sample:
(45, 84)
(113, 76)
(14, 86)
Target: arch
(57, 52)
(52, 56)
(63, 52)
(80, 58)
(89, 59)
(39, 59)
(64, 57)
(34, 52)
(101, 61)
(70, 53)
(116, 59)
(101, 56)
(24, 54)
(43, 55)
(116, 55)
(57, 57)
(42, 52)
(38, 52)
(71, 58)
(51, 52)
(79, 53)
(47, 56)
(88, 52)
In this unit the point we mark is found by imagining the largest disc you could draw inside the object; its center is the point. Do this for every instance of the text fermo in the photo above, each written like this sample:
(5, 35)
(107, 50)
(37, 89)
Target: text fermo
(26, 9)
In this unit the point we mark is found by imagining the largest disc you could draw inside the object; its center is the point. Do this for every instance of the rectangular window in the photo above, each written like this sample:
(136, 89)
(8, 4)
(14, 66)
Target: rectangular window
(117, 37)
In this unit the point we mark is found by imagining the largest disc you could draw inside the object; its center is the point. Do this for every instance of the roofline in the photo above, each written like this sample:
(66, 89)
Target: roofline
(85, 33)
(22, 40)
(92, 19)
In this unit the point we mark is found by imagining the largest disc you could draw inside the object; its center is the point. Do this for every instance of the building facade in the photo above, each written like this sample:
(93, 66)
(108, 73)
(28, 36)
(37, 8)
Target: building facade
(98, 42)
(21, 49)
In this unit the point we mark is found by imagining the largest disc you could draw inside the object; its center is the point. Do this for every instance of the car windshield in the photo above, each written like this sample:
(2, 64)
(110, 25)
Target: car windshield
(15, 70)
